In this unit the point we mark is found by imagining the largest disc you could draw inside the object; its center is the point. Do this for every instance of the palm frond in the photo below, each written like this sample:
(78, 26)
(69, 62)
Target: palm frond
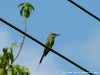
(21, 11)
(26, 9)
(21, 4)
(32, 7)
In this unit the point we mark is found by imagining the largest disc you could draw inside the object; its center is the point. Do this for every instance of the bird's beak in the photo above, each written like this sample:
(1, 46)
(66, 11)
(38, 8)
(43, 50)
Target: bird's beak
(57, 34)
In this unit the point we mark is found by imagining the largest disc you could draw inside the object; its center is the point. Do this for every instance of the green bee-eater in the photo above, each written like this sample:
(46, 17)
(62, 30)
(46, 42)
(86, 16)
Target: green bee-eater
(49, 43)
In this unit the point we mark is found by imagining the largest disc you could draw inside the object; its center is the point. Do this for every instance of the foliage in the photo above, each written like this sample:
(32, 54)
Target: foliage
(6, 58)
(17, 69)
(26, 9)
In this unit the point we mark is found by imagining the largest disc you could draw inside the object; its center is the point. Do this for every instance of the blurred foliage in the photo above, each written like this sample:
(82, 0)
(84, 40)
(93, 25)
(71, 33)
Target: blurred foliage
(6, 59)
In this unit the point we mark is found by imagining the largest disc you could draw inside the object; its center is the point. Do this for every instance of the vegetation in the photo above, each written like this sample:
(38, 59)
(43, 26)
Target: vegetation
(7, 58)
(25, 12)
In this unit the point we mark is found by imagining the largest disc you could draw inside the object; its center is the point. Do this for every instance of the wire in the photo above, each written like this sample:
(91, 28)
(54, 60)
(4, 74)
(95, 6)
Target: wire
(84, 10)
(62, 56)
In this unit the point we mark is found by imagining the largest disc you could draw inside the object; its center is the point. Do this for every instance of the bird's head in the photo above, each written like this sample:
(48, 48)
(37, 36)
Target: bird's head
(53, 35)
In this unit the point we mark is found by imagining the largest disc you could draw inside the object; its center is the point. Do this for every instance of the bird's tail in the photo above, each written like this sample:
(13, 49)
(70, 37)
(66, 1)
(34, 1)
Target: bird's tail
(41, 60)
(38, 67)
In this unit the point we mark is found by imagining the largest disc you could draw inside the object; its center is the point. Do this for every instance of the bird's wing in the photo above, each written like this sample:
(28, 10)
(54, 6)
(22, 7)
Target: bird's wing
(49, 44)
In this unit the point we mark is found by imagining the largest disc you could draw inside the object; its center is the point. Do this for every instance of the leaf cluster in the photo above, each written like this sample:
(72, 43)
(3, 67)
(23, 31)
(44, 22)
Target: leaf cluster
(26, 9)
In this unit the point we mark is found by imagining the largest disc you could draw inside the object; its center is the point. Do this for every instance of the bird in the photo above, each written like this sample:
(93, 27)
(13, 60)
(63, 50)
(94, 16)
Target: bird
(49, 43)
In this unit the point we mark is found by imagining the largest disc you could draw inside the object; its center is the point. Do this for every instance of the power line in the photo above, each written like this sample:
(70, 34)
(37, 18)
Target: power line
(62, 56)
(84, 10)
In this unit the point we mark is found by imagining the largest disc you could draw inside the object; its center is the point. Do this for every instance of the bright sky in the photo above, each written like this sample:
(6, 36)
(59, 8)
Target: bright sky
(79, 40)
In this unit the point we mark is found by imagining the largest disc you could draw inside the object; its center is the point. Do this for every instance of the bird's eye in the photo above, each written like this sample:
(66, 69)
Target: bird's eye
(53, 34)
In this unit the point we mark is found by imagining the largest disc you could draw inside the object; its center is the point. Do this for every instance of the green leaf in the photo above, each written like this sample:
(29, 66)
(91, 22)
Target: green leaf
(21, 4)
(32, 7)
(12, 46)
(26, 9)
(1, 71)
(21, 11)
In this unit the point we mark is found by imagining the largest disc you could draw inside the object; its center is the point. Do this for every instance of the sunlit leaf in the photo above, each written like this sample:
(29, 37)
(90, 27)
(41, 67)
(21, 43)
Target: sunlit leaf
(13, 45)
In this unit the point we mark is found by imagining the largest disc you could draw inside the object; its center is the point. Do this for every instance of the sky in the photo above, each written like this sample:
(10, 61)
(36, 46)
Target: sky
(79, 40)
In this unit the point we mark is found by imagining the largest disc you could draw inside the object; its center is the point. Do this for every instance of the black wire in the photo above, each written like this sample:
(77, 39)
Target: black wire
(62, 56)
(84, 10)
